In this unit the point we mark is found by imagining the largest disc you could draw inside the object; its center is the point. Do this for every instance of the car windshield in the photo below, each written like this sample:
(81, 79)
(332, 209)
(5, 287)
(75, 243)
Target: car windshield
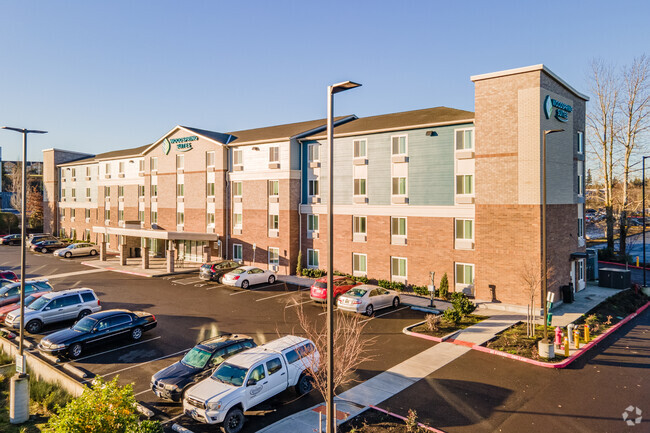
(230, 374)
(5, 282)
(85, 324)
(356, 292)
(29, 300)
(196, 358)
(238, 271)
(39, 303)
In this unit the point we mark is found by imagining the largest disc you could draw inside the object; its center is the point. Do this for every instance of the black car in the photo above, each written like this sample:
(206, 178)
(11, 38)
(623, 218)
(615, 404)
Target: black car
(48, 246)
(10, 240)
(170, 383)
(214, 271)
(98, 328)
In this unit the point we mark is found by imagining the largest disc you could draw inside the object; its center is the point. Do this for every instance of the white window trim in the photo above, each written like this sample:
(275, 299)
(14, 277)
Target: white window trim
(316, 216)
(391, 227)
(269, 256)
(360, 195)
(214, 158)
(366, 140)
(241, 224)
(234, 192)
(241, 153)
(456, 149)
(359, 273)
(463, 285)
(269, 192)
(581, 139)
(399, 278)
(353, 225)
(278, 152)
(465, 194)
(309, 152)
(308, 188)
(406, 189)
(310, 266)
(241, 249)
(406, 148)
(456, 229)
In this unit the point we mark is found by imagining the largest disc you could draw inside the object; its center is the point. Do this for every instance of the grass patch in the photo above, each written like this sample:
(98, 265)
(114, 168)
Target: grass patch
(445, 327)
(515, 341)
(374, 421)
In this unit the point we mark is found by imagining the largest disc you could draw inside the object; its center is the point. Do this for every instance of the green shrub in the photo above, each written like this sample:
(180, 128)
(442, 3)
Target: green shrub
(444, 287)
(452, 315)
(299, 265)
(339, 273)
(313, 273)
(421, 290)
(49, 395)
(462, 304)
(146, 426)
(383, 283)
(362, 280)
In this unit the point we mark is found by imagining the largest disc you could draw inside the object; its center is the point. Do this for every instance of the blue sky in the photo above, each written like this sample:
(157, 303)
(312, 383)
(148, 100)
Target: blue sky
(109, 75)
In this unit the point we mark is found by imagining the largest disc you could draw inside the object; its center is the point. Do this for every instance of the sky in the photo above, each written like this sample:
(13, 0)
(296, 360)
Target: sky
(109, 75)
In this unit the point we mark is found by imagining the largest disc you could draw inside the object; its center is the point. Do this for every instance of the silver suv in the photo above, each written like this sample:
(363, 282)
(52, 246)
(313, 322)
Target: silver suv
(55, 307)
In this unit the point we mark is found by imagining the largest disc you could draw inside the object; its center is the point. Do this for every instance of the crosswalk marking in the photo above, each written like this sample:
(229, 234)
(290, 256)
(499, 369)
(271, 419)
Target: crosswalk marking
(69, 274)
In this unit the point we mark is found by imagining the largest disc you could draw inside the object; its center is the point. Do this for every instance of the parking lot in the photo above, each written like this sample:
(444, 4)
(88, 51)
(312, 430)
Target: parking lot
(189, 310)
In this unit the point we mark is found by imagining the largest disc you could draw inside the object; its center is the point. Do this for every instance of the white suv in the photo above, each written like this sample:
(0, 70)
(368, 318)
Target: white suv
(55, 307)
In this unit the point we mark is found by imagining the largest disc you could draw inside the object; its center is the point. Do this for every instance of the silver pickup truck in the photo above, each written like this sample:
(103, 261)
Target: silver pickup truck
(249, 378)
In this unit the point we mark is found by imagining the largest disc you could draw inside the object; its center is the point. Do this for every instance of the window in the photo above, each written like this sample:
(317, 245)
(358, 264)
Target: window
(398, 226)
(581, 270)
(72, 212)
(398, 267)
(399, 145)
(312, 223)
(120, 215)
(581, 185)
(87, 171)
(314, 152)
(140, 190)
(274, 222)
(237, 158)
(153, 162)
(274, 256)
(154, 217)
(107, 214)
(87, 213)
(62, 192)
(464, 229)
(464, 274)
(274, 154)
(312, 258)
(120, 191)
(107, 167)
(154, 190)
(73, 234)
(74, 192)
(359, 186)
(237, 220)
(180, 162)
(210, 218)
(237, 252)
(359, 264)
(581, 143)
(464, 184)
(359, 223)
(464, 139)
(87, 297)
(141, 165)
(236, 189)
(121, 167)
(74, 173)
(87, 235)
(274, 187)
(313, 187)
(209, 159)
(180, 218)
(88, 192)
(274, 366)
(210, 190)
(359, 148)
(62, 214)
(107, 192)
(399, 186)
(581, 227)
(141, 216)
(180, 187)
(257, 373)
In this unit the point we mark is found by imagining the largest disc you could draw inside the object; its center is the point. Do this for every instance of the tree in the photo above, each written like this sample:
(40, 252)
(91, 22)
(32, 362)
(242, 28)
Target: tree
(590, 179)
(444, 287)
(34, 207)
(299, 265)
(351, 348)
(531, 276)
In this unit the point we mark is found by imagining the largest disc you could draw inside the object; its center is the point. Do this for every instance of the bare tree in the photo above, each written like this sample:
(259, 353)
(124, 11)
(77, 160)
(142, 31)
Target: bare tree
(634, 119)
(601, 121)
(351, 348)
(15, 176)
(531, 276)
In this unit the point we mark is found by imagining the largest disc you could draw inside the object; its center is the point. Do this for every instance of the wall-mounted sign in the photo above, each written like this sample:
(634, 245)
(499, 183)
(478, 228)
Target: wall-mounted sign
(184, 144)
(562, 110)
(166, 146)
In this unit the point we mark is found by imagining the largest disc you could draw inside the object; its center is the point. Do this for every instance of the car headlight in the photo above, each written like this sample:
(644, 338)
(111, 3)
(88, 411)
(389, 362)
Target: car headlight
(170, 387)
(57, 346)
(214, 405)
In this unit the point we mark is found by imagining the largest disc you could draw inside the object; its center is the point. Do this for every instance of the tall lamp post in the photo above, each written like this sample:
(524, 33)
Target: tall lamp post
(329, 401)
(19, 395)
(643, 193)
(544, 261)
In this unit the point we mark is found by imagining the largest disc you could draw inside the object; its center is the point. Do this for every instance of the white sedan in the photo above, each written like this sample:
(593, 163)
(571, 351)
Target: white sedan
(80, 249)
(367, 298)
(247, 276)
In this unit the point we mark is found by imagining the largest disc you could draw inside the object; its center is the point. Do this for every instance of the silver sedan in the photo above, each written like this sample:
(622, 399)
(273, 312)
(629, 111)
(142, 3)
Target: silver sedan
(367, 298)
(246, 276)
(80, 249)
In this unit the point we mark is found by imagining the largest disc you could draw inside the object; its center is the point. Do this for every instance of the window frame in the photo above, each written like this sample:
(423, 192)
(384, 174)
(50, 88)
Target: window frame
(240, 154)
(464, 183)
(180, 217)
(357, 192)
(456, 281)
(240, 187)
(393, 275)
(356, 145)
(180, 161)
(399, 185)
(312, 149)
(406, 145)
(276, 252)
(311, 253)
(274, 154)
(313, 185)
(273, 188)
(274, 221)
(210, 155)
(464, 220)
(464, 130)
(358, 218)
(237, 248)
(311, 218)
(399, 226)
(358, 272)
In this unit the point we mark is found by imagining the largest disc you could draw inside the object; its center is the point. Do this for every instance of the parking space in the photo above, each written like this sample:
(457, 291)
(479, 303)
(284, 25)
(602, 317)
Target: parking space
(189, 310)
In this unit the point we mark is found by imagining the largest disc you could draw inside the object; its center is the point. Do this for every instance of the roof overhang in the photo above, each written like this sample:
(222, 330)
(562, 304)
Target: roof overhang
(227, 138)
(157, 234)
(578, 255)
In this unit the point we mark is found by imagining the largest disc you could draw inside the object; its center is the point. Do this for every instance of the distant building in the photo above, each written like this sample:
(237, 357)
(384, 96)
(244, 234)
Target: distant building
(34, 168)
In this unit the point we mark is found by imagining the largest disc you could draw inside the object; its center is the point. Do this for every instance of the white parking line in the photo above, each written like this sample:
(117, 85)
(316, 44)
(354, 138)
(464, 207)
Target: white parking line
(325, 312)
(385, 314)
(141, 363)
(112, 350)
(69, 274)
(297, 304)
(142, 392)
(252, 290)
(281, 294)
(186, 281)
(173, 419)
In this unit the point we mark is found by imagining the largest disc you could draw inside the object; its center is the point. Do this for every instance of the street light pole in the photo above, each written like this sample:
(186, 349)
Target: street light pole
(643, 193)
(544, 260)
(21, 414)
(329, 401)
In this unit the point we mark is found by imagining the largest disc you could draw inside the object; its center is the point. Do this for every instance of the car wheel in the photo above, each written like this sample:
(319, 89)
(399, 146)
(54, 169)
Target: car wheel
(244, 284)
(34, 326)
(220, 279)
(83, 314)
(304, 384)
(136, 333)
(396, 302)
(369, 310)
(75, 351)
(271, 279)
(44, 250)
(93, 252)
(234, 421)
(68, 255)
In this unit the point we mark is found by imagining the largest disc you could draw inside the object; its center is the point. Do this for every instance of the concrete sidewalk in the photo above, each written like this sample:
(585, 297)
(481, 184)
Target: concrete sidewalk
(585, 300)
(157, 266)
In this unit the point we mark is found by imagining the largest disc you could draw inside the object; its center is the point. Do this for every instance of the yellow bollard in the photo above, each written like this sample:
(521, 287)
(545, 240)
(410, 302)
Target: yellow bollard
(587, 338)
(576, 338)
(637, 261)
(566, 346)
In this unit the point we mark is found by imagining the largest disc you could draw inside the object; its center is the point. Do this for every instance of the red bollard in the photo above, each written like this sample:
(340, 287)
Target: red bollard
(558, 336)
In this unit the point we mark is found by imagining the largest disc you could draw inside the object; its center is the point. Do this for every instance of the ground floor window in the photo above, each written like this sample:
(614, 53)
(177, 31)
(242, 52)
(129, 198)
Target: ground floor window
(62, 233)
(398, 268)
(359, 262)
(274, 256)
(464, 274)
(237, 252)
(73, 234)
(87, 235)
(312, 258)
(191, 251)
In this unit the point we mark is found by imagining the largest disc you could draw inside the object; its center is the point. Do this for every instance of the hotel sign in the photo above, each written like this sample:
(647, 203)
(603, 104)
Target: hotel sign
(183, 144)
(562, 110)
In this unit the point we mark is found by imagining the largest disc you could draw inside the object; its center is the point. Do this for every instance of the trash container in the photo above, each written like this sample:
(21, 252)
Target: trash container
(567, 294)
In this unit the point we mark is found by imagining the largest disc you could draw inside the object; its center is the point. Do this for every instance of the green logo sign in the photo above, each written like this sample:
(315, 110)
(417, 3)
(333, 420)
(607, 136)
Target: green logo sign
(184, 144)
(562, 110)
(166, 146)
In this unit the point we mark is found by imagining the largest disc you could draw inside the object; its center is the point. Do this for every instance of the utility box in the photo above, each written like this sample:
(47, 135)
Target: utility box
(592, 264)
(614, 278)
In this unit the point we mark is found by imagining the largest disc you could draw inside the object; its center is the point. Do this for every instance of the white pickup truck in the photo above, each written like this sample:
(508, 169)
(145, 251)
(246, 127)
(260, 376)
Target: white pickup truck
(249, 378)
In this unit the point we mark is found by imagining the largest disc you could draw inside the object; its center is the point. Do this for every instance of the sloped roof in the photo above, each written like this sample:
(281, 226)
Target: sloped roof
(278, 132)
(216, 136)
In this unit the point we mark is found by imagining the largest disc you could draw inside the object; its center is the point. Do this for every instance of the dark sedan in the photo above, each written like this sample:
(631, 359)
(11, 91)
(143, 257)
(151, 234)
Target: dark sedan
(10, 240)
(170, 383)
(96, 329)
(49, 245)
(214, 271)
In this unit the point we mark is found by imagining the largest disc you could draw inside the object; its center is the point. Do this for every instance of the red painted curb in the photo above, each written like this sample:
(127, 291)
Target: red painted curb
(621, 264)
(433, 429)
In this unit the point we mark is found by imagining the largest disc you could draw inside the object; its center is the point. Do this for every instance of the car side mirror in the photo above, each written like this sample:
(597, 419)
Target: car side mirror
(251, 382)
(46, 308)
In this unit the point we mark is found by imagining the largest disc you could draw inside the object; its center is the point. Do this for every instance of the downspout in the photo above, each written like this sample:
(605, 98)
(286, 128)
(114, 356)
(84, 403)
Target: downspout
(300, 206)
(226, 243)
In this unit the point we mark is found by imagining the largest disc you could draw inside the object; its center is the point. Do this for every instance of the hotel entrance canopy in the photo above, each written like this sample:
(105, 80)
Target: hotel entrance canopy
(156, 234)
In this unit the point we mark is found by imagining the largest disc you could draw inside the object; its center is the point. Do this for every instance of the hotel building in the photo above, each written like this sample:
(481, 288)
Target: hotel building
(434, 190)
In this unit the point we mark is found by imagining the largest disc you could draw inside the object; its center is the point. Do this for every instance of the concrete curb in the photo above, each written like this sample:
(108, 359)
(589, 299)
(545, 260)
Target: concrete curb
(444, 338)
(179, 428)
(429, 310)
(394, 415)
(139, 274)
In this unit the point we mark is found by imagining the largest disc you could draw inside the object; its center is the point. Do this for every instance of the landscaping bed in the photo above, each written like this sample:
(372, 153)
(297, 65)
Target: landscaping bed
(515, 341)
(374, 421)
(445, 327)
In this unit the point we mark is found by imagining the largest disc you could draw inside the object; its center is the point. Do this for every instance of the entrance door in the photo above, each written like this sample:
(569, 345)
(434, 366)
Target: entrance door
(580, 274)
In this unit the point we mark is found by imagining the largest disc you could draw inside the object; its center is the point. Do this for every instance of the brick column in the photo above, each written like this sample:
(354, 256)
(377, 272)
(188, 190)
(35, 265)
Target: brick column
(102, 251)
(207, 256)
(123, 251)
(145, 258)
(170, 260)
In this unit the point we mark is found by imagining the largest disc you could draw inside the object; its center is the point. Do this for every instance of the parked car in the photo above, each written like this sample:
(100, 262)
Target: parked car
(10, 240)
(6, 309)
(47, 246)
(215, 271)
(56, 307)
(171, 383)
(10, 293)
(98, 328)
(9, 275)
(318, 290)
(367, 298)
(250, 378)
(246, 276)
(80, 249)
(33, 239)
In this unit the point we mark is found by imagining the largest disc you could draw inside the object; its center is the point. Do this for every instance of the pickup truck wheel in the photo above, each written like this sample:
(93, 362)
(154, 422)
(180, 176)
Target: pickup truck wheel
(304, 384)
(234, 421)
